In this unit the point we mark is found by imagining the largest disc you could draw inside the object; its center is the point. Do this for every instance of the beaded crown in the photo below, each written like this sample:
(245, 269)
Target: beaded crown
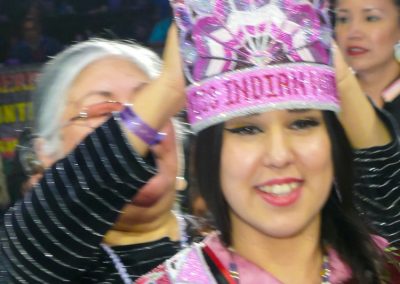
(247, 56)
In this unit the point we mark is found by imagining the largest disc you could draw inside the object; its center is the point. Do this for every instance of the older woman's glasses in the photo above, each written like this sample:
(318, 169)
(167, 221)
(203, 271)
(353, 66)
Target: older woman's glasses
(90, 115)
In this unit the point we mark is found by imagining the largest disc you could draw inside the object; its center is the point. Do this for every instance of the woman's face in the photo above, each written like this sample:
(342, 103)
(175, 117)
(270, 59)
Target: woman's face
(366, 31)
(107, 79)
(276, 172)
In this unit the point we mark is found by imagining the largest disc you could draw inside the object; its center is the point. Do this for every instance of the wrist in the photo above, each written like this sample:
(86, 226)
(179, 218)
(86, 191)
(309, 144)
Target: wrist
(140, 128)
(347, 80)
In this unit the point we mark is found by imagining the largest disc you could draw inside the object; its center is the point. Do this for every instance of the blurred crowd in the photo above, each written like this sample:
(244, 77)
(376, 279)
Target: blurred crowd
(31, 31)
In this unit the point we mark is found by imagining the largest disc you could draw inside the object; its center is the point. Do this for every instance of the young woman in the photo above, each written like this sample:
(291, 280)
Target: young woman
(368, 33)
(271, 158)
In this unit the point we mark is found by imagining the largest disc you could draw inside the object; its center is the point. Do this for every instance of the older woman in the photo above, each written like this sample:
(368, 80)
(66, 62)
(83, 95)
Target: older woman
(81, 223)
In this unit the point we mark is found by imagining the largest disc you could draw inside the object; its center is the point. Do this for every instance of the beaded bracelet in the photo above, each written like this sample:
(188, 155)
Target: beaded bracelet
(138, 127)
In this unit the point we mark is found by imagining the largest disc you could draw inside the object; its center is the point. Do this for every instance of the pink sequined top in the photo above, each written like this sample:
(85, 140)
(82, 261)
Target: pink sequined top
(189, 266)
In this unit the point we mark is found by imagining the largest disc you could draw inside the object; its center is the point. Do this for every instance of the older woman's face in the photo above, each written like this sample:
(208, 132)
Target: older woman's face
(366, 31)
(116, 79)
(276, 172)
(108, 79)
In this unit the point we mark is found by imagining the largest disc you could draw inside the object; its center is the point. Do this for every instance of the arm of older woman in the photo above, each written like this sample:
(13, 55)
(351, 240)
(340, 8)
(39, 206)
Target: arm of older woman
(166, 93)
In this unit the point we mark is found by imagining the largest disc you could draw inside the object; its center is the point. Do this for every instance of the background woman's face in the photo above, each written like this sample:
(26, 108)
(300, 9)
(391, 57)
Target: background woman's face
(116, 79)
(276, 172)
(366, 31)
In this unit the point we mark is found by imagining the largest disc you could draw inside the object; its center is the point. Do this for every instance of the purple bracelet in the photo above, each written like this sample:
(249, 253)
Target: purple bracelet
(140, 128)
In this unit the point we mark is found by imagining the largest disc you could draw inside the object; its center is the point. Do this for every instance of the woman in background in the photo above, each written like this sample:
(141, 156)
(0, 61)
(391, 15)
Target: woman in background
(368, 34)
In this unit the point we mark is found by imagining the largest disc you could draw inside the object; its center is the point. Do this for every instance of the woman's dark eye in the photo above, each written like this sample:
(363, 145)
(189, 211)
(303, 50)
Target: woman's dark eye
(304, 124)
(244, 130)
(372, 18)
(341, 19)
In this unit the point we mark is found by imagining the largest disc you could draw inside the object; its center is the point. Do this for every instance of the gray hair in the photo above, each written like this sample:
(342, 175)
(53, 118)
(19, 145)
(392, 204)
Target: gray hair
(50, 96)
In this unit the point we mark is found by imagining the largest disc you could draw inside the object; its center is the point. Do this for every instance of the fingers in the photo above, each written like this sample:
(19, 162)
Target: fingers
(342, 69)
(172, 60)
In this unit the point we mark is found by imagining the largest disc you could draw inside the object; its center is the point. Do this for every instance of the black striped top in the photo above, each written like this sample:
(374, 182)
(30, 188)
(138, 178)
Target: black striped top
(377, 187)
(54, 234)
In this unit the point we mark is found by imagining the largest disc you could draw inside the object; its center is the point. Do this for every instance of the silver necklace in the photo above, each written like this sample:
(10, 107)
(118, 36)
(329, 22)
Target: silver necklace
(122, 271)
(325, 269)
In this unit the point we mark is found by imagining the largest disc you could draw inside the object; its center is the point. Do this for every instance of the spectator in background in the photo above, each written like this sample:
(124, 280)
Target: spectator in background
(33, 46)
(368, 33)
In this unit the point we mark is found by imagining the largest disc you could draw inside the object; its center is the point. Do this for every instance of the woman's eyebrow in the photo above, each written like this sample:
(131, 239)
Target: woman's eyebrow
(302, 110)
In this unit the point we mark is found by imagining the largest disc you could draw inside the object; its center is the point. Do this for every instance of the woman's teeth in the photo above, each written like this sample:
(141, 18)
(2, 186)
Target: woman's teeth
(280, 189)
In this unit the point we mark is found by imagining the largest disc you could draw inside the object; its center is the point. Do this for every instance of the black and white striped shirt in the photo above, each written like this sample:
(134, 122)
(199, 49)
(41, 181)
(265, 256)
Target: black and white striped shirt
(377, 186)
(54, 234)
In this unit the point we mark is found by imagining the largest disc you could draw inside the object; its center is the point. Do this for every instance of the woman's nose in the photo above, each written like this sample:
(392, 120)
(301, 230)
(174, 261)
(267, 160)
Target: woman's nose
(278, 150)
(355, 29)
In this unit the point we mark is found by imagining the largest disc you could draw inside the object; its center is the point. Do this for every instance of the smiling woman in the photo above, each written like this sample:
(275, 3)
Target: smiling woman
(368, 33)
(288, 164)
(271, 158)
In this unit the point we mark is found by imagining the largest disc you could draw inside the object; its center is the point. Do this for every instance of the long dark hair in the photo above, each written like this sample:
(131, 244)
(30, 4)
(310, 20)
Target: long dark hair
(342, 228)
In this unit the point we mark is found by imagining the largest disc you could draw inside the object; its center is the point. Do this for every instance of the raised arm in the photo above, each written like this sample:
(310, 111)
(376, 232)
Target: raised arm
(362, 124)
(375, 139)
(161, 99)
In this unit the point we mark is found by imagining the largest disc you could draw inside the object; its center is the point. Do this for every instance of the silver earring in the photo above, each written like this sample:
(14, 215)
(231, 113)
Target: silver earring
(396, 49)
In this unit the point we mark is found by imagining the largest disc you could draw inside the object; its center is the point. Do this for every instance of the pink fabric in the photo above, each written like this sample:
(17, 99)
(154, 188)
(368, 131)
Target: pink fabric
(340, 272)
(193, 267)
(392, 91)
(382, 243)
(188, 266)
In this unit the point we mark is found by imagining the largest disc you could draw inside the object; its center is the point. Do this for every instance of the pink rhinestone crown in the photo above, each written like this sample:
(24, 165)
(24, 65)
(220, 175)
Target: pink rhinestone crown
(247, 56)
